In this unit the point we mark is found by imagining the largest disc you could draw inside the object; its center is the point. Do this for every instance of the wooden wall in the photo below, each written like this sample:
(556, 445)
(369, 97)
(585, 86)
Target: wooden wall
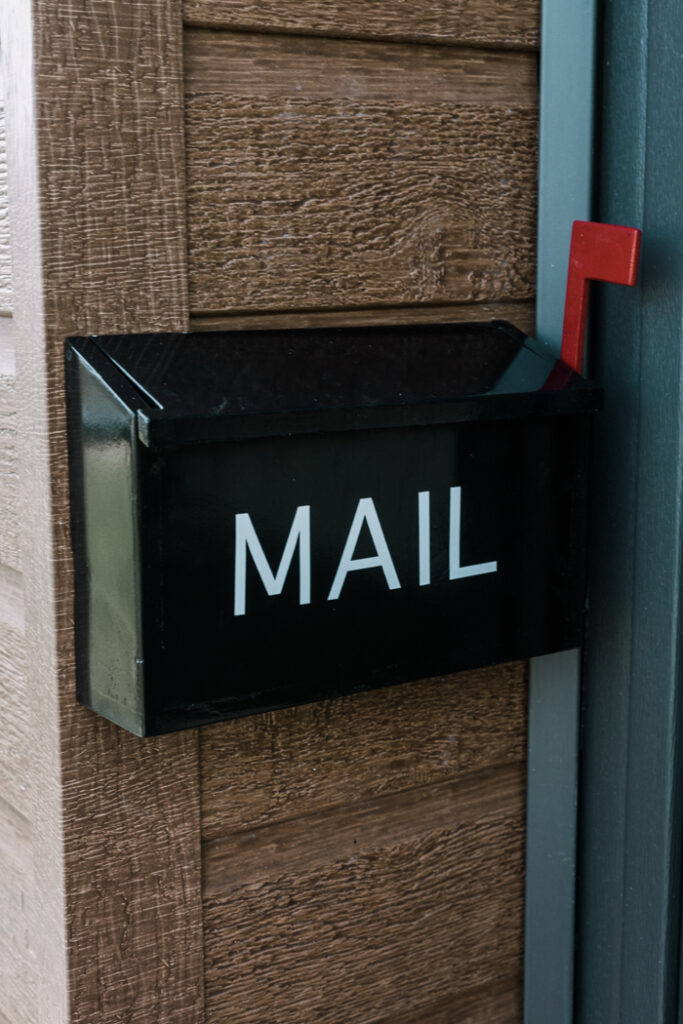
(359, 860)
(363, 859)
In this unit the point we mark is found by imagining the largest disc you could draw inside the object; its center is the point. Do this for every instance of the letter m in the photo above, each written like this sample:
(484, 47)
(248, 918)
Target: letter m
(246, 538)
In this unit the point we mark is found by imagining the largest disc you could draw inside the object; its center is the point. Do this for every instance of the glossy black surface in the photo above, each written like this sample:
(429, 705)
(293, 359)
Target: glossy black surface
(209, 386)
(174, 439)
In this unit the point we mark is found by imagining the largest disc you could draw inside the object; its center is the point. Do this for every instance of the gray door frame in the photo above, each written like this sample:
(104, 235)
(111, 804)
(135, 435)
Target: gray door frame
(627, 948)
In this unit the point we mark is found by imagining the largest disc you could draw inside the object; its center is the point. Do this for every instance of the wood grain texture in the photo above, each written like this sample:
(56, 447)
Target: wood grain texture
(31, 902)
(16, 744)
(274, 67)
(18, 981)
(10, 541)
(304, 844)
(17, 966)
(132, 867)
(502, 23)
(521, 314)
(11, 598)
(491, 1004)
(100, 245)
(6, 346)
(326, 174)
(5, 263)
(352, 938)
(302, 760)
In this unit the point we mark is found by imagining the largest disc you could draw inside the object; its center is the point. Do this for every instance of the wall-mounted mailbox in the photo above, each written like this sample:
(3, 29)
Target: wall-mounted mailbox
(266, 518)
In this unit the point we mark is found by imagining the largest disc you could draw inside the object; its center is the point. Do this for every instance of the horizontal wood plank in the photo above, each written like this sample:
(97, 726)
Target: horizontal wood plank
(297, 761)
(336, 834)
(278, 67)
(491, 1004)
(5, 262)
(325, 174)
(10, 548)
(521, 314)
(505, 23)
(355, 936)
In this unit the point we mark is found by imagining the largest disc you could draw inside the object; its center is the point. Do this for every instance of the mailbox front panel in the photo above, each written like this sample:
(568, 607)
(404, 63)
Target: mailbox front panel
(389, 555)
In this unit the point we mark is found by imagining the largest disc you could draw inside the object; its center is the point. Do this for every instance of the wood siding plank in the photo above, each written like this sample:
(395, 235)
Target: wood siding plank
(492, 1004)
(10, 539)
(5, 261)
(112, 181)
(352, 831)
(503, 23)
(6, 346)
(16, 748)
(521, 314)
(99, 245)
(352, 938)
(17, 963)
(302, 760)
(326, 174)
(11, 598)
(18, 978)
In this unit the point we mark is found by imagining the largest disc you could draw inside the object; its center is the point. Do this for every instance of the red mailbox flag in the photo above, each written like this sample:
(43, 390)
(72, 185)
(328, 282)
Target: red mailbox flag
(599, 252)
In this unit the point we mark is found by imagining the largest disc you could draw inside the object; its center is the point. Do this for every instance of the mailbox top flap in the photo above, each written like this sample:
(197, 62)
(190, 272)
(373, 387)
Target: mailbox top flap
(210, 386)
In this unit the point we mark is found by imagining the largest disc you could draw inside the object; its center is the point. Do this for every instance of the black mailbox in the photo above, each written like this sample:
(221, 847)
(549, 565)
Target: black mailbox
(266, 518)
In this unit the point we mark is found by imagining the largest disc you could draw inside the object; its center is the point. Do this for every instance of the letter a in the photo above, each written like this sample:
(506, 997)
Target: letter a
(246, 537)
(365, 513)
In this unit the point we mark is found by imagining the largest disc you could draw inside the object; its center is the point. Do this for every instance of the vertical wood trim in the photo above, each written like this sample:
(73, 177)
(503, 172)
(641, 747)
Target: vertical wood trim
(44, 924)
(5, 264)
(98, 224)
(567, 85)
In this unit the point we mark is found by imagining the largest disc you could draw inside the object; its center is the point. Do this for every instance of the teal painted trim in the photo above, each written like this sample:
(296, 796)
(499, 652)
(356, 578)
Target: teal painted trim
(565, 191)
(565, 149)
(631, 792)
(551, 838)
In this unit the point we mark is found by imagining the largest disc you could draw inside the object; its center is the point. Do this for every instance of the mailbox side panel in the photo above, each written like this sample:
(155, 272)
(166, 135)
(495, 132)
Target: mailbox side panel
(104, 488)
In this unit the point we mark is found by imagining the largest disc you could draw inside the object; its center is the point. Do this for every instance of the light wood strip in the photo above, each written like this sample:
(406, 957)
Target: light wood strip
(363, 937)
(7, 365)
(10, 540)
(273, 67)
(300, 761)
(337, 176)
(492, 1004)
(521, 314)
(11, 598)
(16, 741)
(486, 22)
(15, 836)
(99, 245)
(5, 259)
(18, 981)
(359, 829)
